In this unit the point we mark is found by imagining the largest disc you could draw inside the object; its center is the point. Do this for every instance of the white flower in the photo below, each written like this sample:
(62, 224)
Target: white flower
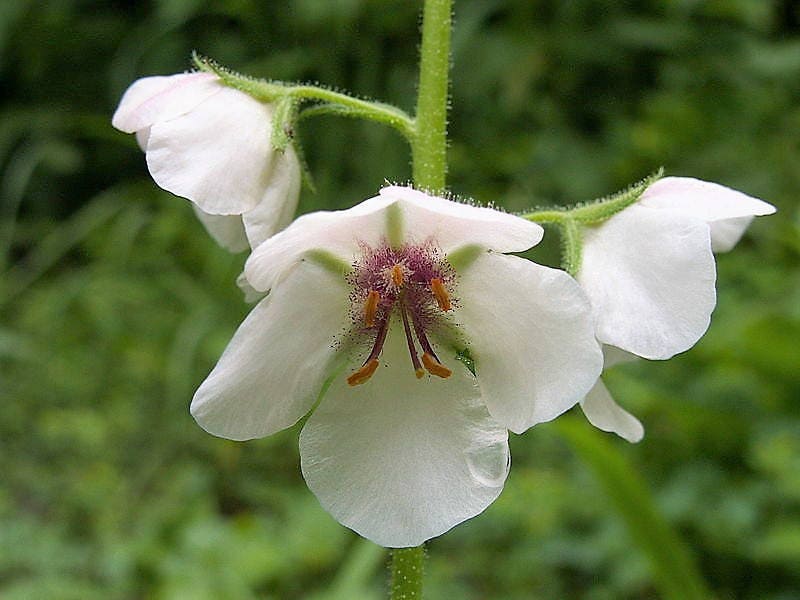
(212, 144)
(650, 274)
(366, 312)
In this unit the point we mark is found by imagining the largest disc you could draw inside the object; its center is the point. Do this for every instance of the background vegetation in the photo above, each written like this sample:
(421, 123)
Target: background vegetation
(115, 303)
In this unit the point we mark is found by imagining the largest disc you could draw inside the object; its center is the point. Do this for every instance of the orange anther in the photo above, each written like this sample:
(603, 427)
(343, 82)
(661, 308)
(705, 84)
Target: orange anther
(364, 373)
(440, 293)
(435, 367)
(371, 307)
(419, 373)
(398, 276)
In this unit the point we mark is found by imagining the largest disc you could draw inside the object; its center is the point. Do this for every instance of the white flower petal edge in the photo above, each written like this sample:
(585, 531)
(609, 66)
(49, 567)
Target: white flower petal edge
(728, 212)
(339, 232)
(219, 155)
(279, 201)
(153, 99)
(227, 230)
(450, 222)
(532, 338)
(650, 277)
(604, 413)
(272, 370)
(402, 460)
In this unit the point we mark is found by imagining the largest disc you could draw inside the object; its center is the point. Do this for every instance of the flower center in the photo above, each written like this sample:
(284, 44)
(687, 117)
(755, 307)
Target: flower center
(412, 282)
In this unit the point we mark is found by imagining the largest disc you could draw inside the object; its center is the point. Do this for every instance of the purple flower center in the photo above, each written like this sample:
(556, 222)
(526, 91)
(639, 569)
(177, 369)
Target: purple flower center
(413, 282)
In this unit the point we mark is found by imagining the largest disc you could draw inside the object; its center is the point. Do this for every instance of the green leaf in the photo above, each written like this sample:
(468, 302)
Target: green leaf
(674, 571)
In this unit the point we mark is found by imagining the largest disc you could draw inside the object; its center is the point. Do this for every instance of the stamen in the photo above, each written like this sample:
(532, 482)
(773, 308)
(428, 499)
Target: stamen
(412, 350)
(440, 293)
(398, 277)
(435, 367)
(364, 373)
(429, 358)
(371, 307)
(371, 364)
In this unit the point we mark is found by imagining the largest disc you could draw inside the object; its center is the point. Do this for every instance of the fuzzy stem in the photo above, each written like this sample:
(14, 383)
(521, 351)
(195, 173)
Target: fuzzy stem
(407, 565)
(429, 168)
(429, 145)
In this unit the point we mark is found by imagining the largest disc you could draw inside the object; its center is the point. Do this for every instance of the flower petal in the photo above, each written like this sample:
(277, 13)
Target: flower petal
(152, 99)
(336, 232)
(614, 356)
(602, 412)
(454, 224)
(218, 155)
(728, 211)
(401, 460)
(530, 332)
(725, 234)
(279, 201)
(423, 217)
(273, 369)
(227, 230)
(650, 276)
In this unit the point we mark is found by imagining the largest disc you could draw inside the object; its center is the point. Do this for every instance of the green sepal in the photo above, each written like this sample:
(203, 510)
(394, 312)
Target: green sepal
(283, 120)
(571, 246)
(461, 258)
(604, 208)
(260, 89)
(394, 225)
(329, 261)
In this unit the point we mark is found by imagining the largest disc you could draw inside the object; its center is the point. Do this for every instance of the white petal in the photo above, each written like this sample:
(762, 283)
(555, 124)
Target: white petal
(219, 155)
(250, 294)
(336, 232)
(153, 99)
(142, 137)
(401, 460)
(530, 332)
(728, 211)
(227, 230)
(273, 369)
(279, 201)
(614, 356)
(650, 277)
(423, 217)
(454, 224)
(602, 412)
(725, 234)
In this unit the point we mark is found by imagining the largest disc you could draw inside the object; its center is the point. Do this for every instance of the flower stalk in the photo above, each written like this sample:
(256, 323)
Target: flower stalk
(429, 169)
(407, 566)
(331, 101)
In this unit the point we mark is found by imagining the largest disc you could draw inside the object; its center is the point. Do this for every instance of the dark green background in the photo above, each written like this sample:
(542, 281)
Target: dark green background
(115, 303)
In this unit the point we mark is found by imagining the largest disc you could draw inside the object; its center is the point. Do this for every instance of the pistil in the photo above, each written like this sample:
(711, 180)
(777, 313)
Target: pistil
(412, 350)
(429, 358)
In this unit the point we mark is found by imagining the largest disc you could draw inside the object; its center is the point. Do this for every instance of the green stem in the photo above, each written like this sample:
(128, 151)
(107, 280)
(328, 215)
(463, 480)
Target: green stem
(356, 107)
(407, 565)
(429, 144)
(334, 102)
(429, 167)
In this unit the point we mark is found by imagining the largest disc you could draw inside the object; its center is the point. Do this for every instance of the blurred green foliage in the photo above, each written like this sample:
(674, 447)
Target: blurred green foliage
(115, 303)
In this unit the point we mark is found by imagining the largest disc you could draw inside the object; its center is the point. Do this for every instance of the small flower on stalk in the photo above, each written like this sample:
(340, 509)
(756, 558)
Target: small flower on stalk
(416, 344)
(211, 144)
(650, 275)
